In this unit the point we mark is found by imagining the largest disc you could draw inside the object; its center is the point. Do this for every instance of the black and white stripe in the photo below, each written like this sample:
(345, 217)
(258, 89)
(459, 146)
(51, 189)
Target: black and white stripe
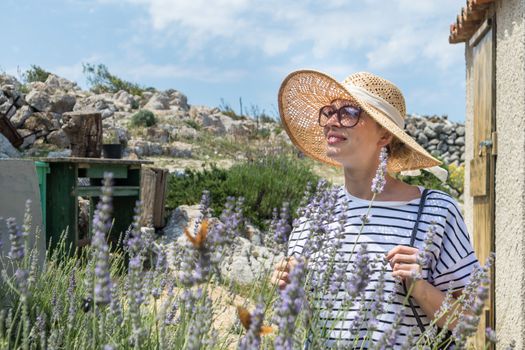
(391, 224)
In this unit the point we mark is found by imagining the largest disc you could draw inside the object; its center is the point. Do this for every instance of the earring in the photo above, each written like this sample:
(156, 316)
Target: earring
(378, 183)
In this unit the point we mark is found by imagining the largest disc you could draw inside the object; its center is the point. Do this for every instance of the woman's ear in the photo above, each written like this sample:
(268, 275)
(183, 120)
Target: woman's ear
(386, 137)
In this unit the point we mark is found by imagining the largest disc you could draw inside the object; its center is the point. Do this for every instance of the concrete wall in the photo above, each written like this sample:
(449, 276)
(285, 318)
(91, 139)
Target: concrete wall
(510, 172)
(18, 183)
(510, 169)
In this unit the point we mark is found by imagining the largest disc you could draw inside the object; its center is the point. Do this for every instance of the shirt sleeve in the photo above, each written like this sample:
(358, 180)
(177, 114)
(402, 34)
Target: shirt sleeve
(457, 259)
(298, 238)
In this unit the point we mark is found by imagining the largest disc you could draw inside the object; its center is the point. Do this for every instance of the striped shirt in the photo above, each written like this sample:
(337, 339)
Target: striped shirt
(390, 223)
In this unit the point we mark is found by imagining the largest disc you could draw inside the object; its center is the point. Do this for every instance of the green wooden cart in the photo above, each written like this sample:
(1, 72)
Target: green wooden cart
(70, 178)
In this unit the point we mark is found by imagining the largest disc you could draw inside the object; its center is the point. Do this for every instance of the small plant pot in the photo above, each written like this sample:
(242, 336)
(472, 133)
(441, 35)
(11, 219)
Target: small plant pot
(113, 151)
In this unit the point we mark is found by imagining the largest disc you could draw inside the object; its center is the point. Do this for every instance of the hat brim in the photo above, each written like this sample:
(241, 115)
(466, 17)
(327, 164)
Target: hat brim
(301, 96)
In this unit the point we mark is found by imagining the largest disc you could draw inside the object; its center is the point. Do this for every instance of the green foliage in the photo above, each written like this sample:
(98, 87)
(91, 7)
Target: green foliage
(264, 183)
(35, 73)
(227, 110)
(263, 133)
(101, 80)
(193, 124)
(453, 185)
(144, 118)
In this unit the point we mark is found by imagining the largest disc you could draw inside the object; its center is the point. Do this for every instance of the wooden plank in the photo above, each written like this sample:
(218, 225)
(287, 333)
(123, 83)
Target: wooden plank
(147, 195)
(84, 130)
(483, 162)
(62, 204)
(478, 176)
(153, 196)
(96, 160)
(118, 191)
(98, 170)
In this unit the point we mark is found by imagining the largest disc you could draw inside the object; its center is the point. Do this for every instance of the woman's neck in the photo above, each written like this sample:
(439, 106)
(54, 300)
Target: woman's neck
(359, 182)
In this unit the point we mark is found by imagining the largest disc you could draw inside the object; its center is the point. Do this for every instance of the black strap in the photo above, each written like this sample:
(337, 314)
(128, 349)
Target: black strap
(412, 239)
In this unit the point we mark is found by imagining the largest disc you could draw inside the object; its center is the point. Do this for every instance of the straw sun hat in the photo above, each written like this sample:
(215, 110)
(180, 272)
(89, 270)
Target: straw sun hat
(304, 92)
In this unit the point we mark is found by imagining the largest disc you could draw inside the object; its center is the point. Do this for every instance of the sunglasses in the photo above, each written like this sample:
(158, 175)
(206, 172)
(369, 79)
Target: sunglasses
(347, 116)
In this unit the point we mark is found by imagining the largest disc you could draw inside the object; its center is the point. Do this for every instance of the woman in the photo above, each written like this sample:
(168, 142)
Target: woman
(353, 124)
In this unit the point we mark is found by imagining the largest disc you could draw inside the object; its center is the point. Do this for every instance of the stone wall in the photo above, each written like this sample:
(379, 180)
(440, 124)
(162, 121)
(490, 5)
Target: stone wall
(439, 136)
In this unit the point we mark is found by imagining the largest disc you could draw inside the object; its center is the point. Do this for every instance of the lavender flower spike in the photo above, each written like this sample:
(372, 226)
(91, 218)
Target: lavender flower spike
(378, 183)
(289, 307)
(252, 339)
(102, 224)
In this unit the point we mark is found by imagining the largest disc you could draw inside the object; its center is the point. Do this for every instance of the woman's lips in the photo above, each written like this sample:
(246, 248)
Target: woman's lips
(333, 139)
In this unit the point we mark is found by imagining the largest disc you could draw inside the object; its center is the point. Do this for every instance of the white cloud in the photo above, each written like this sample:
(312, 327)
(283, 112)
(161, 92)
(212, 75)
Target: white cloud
(387, 33)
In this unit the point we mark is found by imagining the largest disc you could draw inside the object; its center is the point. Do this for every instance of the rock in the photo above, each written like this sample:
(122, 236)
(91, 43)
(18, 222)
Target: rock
(55, 82)
(184, 133)
(7, 149)
(429, 132)
(158, 101)
(60, 154)
(422, 139)
(177, 100)
(438, 128)
(460, 141)
(6, 79)
(460, 130)
(179, 150)
(411, 130)
(157, 134)
(21, 116)
(182, 217)
(42, 121)
(62, 103)
(447, 129)
(248, 262)
(442, 146)
(58, 138)
(39, 100)
(28, 140)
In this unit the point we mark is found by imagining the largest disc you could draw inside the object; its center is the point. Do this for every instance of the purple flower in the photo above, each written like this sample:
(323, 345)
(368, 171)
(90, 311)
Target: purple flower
(280, 224)
(102, 225)
(476, 293)
(491, 335)
(252, 339)
(424, 256)
(134, 242)
(290, 304)
(200, 323)
(16, 238)
(378, 183)
(360, 274)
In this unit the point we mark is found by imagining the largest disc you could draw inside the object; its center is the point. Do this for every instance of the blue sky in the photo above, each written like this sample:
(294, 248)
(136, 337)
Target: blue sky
(230, 49)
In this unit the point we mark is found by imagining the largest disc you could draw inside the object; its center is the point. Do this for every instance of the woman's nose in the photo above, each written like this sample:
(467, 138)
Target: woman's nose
(332, 120)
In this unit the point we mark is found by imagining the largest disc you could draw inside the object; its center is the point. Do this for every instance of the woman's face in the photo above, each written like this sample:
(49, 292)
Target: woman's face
(356, 147)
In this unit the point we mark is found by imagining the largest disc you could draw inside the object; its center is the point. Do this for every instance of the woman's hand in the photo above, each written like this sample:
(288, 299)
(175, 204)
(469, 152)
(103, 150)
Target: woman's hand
(403, 260)
(282, 271)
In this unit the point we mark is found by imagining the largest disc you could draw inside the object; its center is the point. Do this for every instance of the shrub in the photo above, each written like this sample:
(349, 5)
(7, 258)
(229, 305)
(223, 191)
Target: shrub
(35, 73)
(193, 124)
(143, 117)
(265, 184)
(101, 80)
(453, 184)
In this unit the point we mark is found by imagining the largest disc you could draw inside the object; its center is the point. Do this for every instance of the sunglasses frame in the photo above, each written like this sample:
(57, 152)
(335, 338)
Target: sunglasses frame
(338, 112)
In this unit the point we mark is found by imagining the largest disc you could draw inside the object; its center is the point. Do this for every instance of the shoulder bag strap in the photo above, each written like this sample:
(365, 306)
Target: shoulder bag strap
(412, 239)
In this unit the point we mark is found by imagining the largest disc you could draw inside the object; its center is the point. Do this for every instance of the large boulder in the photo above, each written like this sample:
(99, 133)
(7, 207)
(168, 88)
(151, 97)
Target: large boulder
(159, 101)
(7, 150)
